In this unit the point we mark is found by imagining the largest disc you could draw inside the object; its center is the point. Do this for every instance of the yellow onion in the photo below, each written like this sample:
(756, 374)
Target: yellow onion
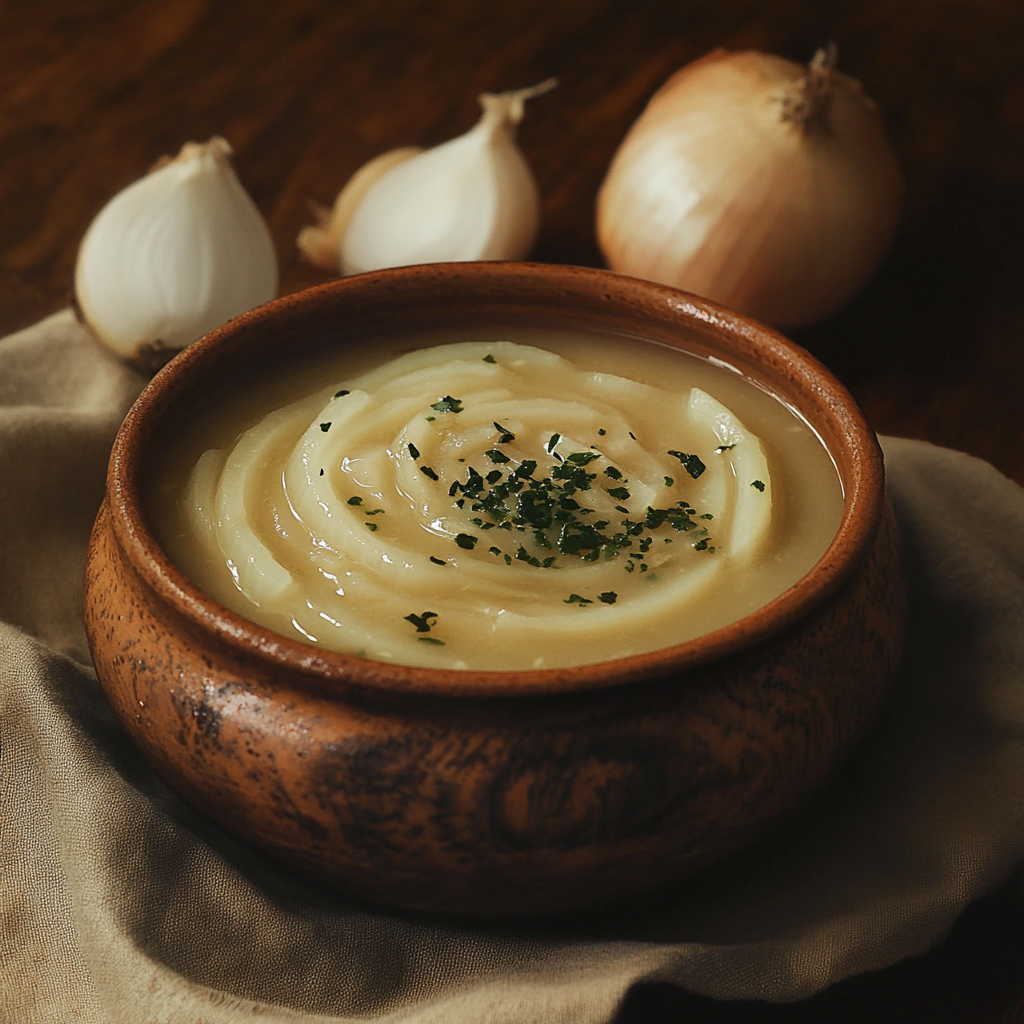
(757, 183)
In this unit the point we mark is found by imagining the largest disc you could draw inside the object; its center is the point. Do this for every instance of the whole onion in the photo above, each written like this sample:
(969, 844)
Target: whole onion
(757, 183)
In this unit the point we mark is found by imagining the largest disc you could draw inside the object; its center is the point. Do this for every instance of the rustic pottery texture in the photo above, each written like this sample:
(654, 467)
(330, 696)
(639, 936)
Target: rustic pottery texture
(496, 793)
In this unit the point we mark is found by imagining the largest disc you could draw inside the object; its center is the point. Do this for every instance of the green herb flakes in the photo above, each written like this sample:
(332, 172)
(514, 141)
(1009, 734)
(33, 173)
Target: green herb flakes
(582, 458)
(325, 426)
(576, 599)
(428, 472)
(691, 463)
(608, 597)
(601, 431)
(342, 393)
(438, 561)
(430, 640)
(421, 622)
(355, 501)
(547, 509)
(759, 484)
(413, 450)
(489, 358)
(724, 448)
(372, 527)
(447, 404)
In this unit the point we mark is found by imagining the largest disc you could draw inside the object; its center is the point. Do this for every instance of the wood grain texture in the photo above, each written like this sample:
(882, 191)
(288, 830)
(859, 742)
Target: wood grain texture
(93, 91)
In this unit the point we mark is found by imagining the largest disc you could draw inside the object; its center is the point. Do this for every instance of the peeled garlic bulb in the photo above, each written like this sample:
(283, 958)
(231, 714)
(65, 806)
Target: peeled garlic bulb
(473, 198)
(321, 244)
(173, 256)
(757, 183)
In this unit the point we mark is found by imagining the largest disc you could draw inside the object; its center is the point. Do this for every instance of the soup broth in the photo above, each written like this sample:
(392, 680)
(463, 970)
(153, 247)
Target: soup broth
(509, 499)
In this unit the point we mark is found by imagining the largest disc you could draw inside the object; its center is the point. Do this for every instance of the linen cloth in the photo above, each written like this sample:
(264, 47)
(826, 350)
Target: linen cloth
(119, 904)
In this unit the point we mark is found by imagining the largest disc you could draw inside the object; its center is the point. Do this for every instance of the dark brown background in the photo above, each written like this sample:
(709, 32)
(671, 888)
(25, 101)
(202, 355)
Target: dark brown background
(92, 92)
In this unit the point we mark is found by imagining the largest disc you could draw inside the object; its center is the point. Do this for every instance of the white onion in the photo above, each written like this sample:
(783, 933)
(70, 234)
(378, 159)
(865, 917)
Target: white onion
(174, 255)
(757, 183)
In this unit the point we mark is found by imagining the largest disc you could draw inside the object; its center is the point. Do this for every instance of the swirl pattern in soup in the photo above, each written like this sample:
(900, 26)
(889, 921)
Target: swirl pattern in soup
(492, 504)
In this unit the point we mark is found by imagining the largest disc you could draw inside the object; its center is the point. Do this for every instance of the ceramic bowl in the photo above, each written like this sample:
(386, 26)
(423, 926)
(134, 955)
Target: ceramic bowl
(496, 793)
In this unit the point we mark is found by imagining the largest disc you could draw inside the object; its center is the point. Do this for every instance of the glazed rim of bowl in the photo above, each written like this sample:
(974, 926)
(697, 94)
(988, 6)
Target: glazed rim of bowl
(536, 294)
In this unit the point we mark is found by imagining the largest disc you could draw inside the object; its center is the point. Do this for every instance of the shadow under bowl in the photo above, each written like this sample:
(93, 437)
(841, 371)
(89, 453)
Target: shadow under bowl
(487, 792)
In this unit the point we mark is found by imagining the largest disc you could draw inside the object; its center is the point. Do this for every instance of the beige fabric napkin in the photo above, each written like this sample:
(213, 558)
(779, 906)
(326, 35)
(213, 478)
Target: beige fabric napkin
(118, 904)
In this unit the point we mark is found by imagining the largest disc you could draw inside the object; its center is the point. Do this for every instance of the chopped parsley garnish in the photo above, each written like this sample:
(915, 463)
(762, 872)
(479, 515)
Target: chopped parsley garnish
(430, 419)
(582, 458)
(421, 622)
(448, 404)
(355, 501)
(430, 640)
(506, 434)
(374, 512)
(427, 471)
(489, 358)
(372, 527)
(576, 599)
(413, 450)
(342, 393)
(516, 498)
(691, 463)
(759, 484)
(325, 426)
(601, 431)
(608, 597)
(321, 472)
(724, 448)
(438, 561)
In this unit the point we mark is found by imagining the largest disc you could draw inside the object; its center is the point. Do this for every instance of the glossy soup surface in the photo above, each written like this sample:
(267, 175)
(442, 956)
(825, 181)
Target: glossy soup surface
(497, 499)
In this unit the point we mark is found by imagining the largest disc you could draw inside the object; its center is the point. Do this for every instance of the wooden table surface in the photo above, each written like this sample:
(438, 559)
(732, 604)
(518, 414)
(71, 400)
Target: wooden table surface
(92, 92)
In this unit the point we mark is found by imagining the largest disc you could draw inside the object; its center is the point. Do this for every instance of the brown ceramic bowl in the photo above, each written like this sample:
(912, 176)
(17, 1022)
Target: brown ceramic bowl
(496, 793)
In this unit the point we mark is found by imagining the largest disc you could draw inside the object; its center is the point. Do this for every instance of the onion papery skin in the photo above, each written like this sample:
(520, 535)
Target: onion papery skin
(713, 192)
